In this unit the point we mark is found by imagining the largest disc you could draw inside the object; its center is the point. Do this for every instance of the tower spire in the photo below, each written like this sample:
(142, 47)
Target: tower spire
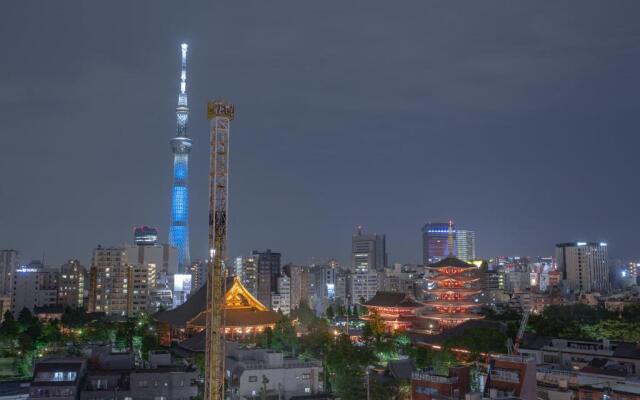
(450, 238)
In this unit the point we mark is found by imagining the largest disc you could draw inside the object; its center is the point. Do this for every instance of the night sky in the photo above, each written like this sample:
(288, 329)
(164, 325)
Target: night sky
(519, 120)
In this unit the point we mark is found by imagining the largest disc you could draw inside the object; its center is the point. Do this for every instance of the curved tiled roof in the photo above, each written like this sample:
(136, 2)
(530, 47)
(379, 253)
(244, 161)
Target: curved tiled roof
(393, 299)
(451, 262)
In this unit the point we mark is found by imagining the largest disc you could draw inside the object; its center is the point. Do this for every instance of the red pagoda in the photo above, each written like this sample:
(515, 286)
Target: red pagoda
(453, 299)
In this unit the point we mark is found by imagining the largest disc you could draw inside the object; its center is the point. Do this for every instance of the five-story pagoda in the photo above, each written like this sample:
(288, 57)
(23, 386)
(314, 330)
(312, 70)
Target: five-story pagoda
(453, 300)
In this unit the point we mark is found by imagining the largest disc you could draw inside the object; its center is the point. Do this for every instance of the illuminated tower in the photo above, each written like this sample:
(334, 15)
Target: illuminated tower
(220, 113)
(181, 146)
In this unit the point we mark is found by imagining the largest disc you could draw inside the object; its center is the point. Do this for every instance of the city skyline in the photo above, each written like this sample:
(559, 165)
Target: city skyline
(541, 125)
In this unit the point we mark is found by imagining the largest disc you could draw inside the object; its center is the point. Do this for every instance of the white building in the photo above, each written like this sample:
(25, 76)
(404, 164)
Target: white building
(281, 300)
(584, 266)
(466, 245)
(247, 271)
(252, 370)
(34, 287)
(364, 285)
(164, 258)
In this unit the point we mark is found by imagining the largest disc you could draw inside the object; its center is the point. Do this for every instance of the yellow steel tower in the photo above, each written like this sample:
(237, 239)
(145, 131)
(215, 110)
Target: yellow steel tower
(220, 113)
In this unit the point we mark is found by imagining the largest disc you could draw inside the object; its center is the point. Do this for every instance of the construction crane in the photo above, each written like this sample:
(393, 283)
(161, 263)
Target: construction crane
(511, 346)
(220, 113)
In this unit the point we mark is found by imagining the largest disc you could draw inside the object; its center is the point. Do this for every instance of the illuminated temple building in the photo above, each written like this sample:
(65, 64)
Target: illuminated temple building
(454, 298)
(244, 315)
(397, 310)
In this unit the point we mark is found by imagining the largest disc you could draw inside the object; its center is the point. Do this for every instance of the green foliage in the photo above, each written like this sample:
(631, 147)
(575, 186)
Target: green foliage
(625, 330)
(265, 339)
(424, 357)
(347, 365)
(74, 317)
(284, 337)
(330, 313)
(9, 326)
(570, 321)
(478, 340)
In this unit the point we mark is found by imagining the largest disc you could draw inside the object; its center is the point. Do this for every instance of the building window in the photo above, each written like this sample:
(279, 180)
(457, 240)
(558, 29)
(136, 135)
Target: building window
(253, 378)
(307, 390)
(306, 376)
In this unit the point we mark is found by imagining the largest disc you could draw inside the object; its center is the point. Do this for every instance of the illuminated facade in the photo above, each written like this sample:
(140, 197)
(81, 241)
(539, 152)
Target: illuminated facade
(437, 243)
(454, 296)
(72, 284)
(584, 266)
(181, 146)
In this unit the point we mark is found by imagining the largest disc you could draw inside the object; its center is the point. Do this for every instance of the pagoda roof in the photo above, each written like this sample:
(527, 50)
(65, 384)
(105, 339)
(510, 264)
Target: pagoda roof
(238, 318)
(452, 316)
(460, 278)
(392, 299)
(463, 291)
(451, 303)
(240, 305)
(451, 262)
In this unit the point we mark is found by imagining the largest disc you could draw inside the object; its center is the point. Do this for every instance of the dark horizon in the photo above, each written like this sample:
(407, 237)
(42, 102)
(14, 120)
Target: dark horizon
(517, 121)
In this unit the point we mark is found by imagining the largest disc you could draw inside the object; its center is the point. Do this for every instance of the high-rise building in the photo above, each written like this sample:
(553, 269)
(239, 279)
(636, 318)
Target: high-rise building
(198, 275)
(119, 287)
(247, 271)
(163, 258)
(368, 252)
(268, 271)
(584, 266)
(34, 286)
(181, 147)
(145, 236)
(465, 245)
(435, 241)
(72, 284)
(301, 279)
(8, 264)
(281, 298)
(364, 285)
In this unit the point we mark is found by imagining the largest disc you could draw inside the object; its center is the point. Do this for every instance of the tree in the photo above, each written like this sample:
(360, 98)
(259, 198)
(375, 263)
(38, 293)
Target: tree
(330, 313)
(9, 327)
(263, 389)
(478, 340)
(265, 338)
(25, 318)
(284, 336)
(347, 365)
(74, 317)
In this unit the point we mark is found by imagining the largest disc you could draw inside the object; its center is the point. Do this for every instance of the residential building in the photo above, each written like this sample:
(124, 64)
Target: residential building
(465, 245)
(253, 370)
(57, 378)
(72, 284)
(429, 384)
(584, 266)
(281, 299)
(34, 286)
(8, 264)
(268, 271)
(163, 258)
(368, 252)
(435, 241)
(510, 377)
(198, 274)
(109, 281)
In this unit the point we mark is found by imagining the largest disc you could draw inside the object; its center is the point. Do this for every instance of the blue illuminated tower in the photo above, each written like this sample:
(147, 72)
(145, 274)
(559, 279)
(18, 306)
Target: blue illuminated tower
(181, 146)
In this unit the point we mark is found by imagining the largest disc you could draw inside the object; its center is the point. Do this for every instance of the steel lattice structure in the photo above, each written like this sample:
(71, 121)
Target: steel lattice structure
(220, 113)
(181, 146)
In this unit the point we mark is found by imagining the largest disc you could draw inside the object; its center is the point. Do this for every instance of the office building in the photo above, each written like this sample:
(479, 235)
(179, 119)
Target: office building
(584, 266)
(8, 264)
(465, 245)
(247, 271)
(34, 286)
(435, 241)
(163, 258)
(145, 236)
(72, 284)
(268, 271)
(368, 252)
(181, 147)
(364, 286)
